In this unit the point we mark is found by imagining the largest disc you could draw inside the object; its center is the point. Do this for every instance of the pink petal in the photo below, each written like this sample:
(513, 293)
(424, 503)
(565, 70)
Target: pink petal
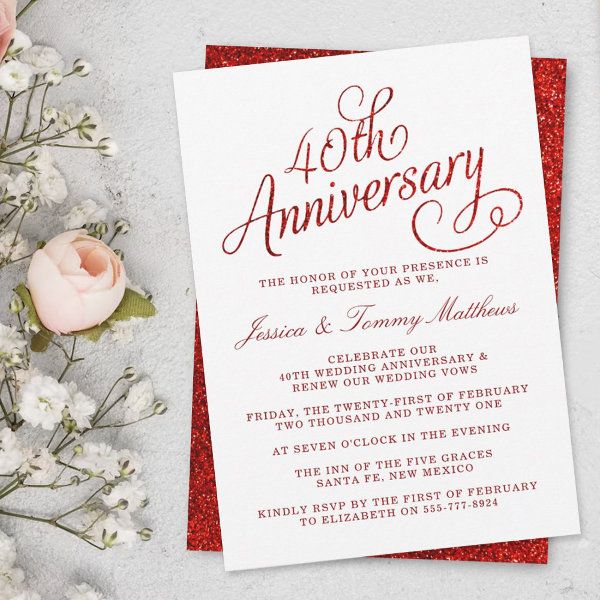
(99, 306)
(8, 9)
(56, 301)
(58, 246)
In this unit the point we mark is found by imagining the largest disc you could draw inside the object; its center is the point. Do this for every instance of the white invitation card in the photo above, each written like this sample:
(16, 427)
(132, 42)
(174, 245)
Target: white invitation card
(376, 302)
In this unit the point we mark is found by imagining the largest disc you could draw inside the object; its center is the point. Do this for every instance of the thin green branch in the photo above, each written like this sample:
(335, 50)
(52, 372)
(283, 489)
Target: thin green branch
(26, 8)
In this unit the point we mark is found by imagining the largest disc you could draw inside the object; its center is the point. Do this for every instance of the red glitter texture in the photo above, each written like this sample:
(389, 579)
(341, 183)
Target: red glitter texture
(204, 531)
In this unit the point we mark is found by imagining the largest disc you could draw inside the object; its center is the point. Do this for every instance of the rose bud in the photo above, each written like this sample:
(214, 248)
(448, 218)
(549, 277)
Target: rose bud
(75, 281)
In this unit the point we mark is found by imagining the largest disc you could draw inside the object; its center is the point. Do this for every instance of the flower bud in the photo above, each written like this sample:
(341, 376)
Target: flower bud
(109, 539)
(159, 408)
(107, 147)
(121, 226)
(129, 374)
(145, 534)
(15, 358)
(30, 327)
(144, 502)
(107, 489)
(120, 254)
(123, 504)
(126, 470)
(49, 114)
(68, 424)
(101, 228)
(82, 68)
(29, 204)
(39, 245)
(53, 77)
(75, 480)
(78, 449)
(16, 305)
(20, 42)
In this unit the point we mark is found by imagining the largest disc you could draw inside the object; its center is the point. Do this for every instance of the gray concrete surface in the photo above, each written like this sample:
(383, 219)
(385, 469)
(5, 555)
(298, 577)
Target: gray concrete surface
(135, 45)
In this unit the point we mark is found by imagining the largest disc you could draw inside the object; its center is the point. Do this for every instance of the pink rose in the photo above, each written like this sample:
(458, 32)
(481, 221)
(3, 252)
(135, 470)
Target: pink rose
(75, 282)
(8, 21)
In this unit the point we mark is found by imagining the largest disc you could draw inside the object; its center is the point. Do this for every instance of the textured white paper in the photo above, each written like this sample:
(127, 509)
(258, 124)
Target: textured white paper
(487, 457)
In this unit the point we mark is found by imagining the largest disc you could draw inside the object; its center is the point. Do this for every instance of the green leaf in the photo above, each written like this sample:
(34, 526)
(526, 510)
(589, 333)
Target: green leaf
(133, 305)
(40, 341)
(25, 296)
(94, 333)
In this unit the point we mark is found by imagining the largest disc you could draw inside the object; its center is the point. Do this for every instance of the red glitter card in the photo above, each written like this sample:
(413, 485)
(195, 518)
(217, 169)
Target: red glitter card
(203, 524)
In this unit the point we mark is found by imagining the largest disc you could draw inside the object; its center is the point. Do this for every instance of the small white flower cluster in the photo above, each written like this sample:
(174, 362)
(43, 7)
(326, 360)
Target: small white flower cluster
(28, 176)
(85, 214)
(72, 455)
(12, 347)
(12, 578)
(105, 519)
(24, 61)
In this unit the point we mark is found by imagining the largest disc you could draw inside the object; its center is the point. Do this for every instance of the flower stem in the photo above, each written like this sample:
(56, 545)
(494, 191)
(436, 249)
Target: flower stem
(70, 360)
(53, 522)
(114, 385)
(101, 416)
(10, 488)
(4, 411)
(124, 424)
(41, 112)
(11, 101)
(9, 513)
(14, 242)
(26, 8)
(26, 119)
(72, 146)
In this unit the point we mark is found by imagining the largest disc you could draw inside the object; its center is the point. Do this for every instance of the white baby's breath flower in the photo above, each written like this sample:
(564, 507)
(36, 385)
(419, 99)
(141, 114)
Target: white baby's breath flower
(122, 331)
(20, 42)
(15, 246)
(130, 462)
(98, 459)
(41, 58)
(54, 76)
(5, 180)
(12, 343)
(15, 76)
(84, 213)
(21, 185)
(40, 160)
(8, 551)
(50, 187)
(85, 120)
(80, 406)
(11, 583)
(133, 491)
(11, 453)
(115, 529)
(40, 467)
(83, 591)
(108, 147)
(49, 114)
(82, 68)
(139, 399)
(42, 401)
(23, 376)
